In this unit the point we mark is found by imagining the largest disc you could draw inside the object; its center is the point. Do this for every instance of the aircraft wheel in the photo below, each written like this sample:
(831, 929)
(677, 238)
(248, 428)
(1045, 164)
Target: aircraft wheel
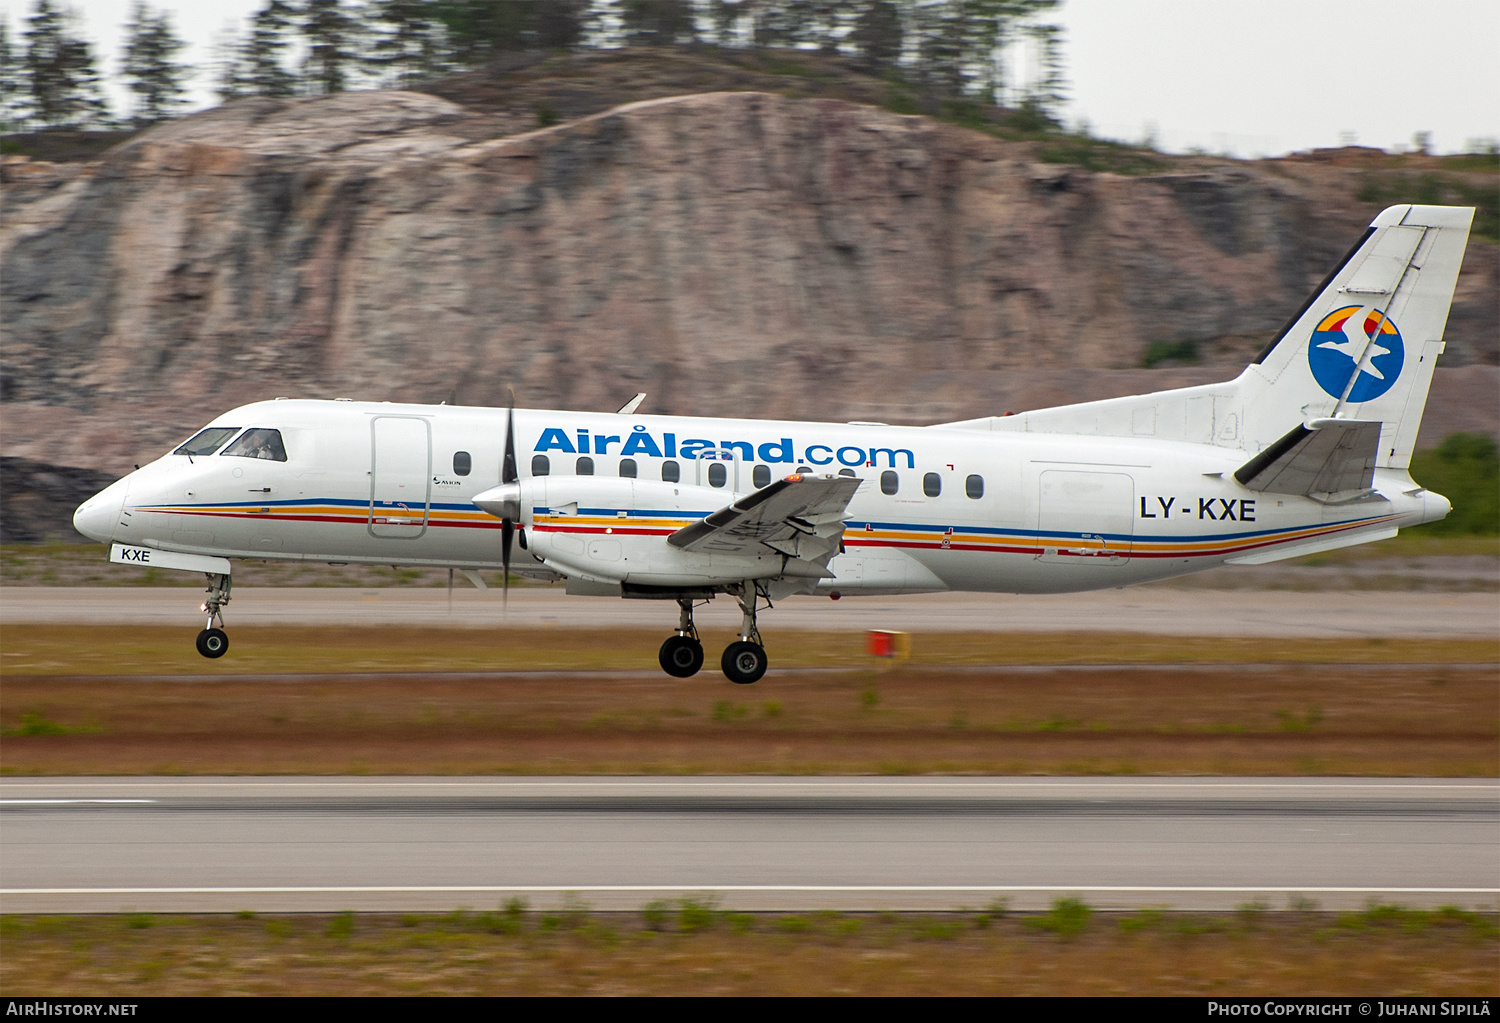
(743, 662)
(681, 656)
(213, 642)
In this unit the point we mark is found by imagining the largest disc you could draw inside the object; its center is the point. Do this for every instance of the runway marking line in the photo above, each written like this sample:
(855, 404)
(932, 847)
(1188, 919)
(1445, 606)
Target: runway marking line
(12, 803)
(647, 888)
(926, 785)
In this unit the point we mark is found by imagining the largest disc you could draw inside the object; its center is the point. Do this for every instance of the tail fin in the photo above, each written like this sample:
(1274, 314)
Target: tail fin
(1363, 346)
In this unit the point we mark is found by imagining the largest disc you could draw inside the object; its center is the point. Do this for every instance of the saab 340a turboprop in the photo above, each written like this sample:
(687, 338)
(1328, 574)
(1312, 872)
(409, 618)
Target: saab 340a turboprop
(1306, 450)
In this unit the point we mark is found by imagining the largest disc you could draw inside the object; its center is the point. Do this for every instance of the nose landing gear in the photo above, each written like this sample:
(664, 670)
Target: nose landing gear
(213, 641)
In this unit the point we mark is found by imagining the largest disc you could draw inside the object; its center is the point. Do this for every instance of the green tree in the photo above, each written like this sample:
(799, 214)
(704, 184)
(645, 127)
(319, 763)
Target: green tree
(62, 84)
(1464, 468)
(480, 30)
(658, 22)
(332, 36)
(147, 66)
(12, 82)
(264, 53)
(877, 34)
(410, 43)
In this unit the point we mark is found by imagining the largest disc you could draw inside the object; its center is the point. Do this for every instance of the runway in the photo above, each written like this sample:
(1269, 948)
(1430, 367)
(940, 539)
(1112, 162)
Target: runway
(325, 844)
(1151, 611)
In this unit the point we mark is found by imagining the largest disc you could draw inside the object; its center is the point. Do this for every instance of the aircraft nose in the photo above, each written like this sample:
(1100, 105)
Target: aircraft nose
(98, 517)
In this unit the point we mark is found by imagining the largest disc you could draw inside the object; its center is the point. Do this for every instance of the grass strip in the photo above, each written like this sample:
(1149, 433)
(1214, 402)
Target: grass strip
(1289, 719)
(274, 649)
(693, 947)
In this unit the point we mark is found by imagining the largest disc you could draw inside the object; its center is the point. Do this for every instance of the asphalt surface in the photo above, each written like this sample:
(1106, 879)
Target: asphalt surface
(1151, 611)
(321, 844)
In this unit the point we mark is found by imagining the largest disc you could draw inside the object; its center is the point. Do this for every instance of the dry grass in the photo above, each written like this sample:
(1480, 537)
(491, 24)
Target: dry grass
(1383, 951)
(269, 649)
(925, 716)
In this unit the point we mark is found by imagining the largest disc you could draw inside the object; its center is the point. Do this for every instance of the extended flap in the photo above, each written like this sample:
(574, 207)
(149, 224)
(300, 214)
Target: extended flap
(774, 518)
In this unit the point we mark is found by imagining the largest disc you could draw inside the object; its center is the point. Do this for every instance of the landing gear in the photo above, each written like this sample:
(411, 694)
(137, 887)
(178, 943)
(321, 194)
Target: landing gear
(744, 661)
(682, 654)
(213, 641)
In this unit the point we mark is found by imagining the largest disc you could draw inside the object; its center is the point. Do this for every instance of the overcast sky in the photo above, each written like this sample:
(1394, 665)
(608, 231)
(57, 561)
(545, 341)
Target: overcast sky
(1250, 77)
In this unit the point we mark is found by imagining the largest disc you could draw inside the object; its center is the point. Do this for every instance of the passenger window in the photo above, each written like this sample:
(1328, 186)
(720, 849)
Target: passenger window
(206, 442)
(890, 482)
(462, 463)
(717, 474)
(761, 476)
(932, 484)
(541, 465)
(846, 472)
(974, 487)
(585, 466)
(628, 468)
(671, 472)
(258, 444)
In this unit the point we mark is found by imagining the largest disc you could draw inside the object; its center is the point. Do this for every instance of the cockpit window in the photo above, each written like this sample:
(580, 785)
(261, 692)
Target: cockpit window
(259, 444)
(206, 442)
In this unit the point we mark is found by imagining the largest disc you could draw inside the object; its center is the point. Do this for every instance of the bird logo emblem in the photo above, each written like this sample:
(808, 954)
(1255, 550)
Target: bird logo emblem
(1356, 353)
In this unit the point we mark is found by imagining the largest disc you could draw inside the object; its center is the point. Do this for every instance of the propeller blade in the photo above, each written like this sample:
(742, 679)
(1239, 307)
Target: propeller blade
(508, 466)
(507, 534)
(508, 474)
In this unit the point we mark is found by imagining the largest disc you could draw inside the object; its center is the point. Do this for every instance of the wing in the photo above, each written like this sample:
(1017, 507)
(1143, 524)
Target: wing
(801, 517)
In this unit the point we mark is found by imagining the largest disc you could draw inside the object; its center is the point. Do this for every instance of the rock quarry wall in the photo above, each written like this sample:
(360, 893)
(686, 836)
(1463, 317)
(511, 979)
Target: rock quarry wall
(728, 253)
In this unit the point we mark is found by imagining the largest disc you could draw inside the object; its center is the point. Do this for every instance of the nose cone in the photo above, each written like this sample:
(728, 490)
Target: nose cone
(99, 516)
(503, 502)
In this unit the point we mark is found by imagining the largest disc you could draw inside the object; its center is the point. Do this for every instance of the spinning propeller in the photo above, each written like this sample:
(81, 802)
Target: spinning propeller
(508, 476)
(504, 501)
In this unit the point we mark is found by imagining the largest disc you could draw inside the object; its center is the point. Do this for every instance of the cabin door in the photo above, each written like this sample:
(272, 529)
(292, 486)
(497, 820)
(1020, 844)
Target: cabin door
(1085, 517)
(400, 476)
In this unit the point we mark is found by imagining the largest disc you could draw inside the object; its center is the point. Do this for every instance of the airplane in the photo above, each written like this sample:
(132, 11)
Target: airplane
(1306, 450)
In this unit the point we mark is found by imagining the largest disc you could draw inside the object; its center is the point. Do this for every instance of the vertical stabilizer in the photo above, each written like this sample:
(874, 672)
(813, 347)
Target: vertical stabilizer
(1364, 345)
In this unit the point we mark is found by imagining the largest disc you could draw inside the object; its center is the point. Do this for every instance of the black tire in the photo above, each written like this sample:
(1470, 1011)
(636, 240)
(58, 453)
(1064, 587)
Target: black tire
(681, 656)
(213, 643)
(743, 662)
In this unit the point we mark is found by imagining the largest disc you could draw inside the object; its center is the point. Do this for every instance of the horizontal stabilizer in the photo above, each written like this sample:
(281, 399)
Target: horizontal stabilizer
(1334, 456)
(800, 517)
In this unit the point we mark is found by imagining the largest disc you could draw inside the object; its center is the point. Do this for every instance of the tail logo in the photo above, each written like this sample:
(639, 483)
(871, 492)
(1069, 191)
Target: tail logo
(1358, 343)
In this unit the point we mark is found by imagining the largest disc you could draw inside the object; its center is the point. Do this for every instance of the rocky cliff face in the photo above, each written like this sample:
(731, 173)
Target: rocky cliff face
(728, 253)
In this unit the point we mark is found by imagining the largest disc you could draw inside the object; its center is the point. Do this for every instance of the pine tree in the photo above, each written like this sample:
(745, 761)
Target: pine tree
(1050, 91)
(148, 67)
(658, 22)
(262, 63)
(12, 82)
(62, 82)
(332, 45)
(410, 42)
(877, 33)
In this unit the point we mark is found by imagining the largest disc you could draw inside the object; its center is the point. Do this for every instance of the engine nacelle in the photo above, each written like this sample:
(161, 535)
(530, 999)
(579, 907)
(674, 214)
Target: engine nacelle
(614, 530)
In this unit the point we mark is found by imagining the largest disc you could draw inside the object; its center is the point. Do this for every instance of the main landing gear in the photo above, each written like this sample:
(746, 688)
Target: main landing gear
(213, 641)
(744, 660)
(682, 655)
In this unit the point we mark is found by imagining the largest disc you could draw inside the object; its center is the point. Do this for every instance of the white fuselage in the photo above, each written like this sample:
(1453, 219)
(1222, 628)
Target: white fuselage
(970, 510)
